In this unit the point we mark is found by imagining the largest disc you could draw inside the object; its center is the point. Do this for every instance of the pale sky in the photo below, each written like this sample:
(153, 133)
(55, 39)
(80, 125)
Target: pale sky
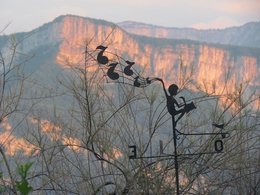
(25, 15)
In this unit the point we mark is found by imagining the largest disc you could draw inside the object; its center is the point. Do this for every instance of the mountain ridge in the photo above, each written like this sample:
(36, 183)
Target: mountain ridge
(237, 35)
(121, 25)
(130, 22)
(206, 63)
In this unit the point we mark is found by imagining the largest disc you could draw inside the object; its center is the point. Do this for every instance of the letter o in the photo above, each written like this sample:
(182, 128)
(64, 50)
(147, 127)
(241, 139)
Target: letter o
(219, 145)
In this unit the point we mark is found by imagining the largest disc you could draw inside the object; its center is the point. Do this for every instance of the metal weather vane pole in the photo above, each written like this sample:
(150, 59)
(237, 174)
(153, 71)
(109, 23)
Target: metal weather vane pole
(176, 164)
(182, 109)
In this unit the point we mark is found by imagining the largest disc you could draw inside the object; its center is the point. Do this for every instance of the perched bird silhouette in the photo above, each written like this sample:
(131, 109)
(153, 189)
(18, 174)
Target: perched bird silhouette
(101, 58)
(221, 126)
(127, 69)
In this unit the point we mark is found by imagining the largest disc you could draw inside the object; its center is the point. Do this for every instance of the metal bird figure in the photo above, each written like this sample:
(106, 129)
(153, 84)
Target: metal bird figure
(221, 126)
(100, 57)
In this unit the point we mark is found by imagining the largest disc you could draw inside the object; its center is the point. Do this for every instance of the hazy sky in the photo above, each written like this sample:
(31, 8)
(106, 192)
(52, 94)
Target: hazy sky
(25, 15)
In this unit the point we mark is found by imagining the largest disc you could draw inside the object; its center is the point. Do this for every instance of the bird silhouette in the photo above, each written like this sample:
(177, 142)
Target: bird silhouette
(127, 69)
(221, 126)
(101, 58)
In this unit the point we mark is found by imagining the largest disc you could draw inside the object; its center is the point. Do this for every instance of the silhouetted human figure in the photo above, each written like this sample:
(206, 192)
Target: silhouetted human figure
(174, 108)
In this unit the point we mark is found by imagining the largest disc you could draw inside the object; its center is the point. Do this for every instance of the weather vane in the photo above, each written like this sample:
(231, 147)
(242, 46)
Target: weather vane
(122, 71)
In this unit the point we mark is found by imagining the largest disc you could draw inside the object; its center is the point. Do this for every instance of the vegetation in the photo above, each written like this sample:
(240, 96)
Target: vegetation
(82, 148)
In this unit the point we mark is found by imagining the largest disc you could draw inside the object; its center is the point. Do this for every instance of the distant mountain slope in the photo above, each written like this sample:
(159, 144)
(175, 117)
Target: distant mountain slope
(247, 35)
(214, 67)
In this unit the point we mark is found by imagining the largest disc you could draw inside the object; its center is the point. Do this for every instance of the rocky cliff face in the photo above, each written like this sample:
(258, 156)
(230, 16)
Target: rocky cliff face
(246, 35)
(213, 68)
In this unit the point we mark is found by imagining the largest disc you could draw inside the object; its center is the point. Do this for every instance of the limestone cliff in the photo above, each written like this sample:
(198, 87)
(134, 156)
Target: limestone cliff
(214, 68)
(246, 35)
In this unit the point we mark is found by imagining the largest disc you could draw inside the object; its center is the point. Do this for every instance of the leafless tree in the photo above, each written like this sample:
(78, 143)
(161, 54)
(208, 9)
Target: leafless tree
(83, 147)
(12, 81)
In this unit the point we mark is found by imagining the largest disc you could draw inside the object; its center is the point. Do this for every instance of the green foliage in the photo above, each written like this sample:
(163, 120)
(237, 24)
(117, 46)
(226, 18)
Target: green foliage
(2, 188)
(23, 186)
